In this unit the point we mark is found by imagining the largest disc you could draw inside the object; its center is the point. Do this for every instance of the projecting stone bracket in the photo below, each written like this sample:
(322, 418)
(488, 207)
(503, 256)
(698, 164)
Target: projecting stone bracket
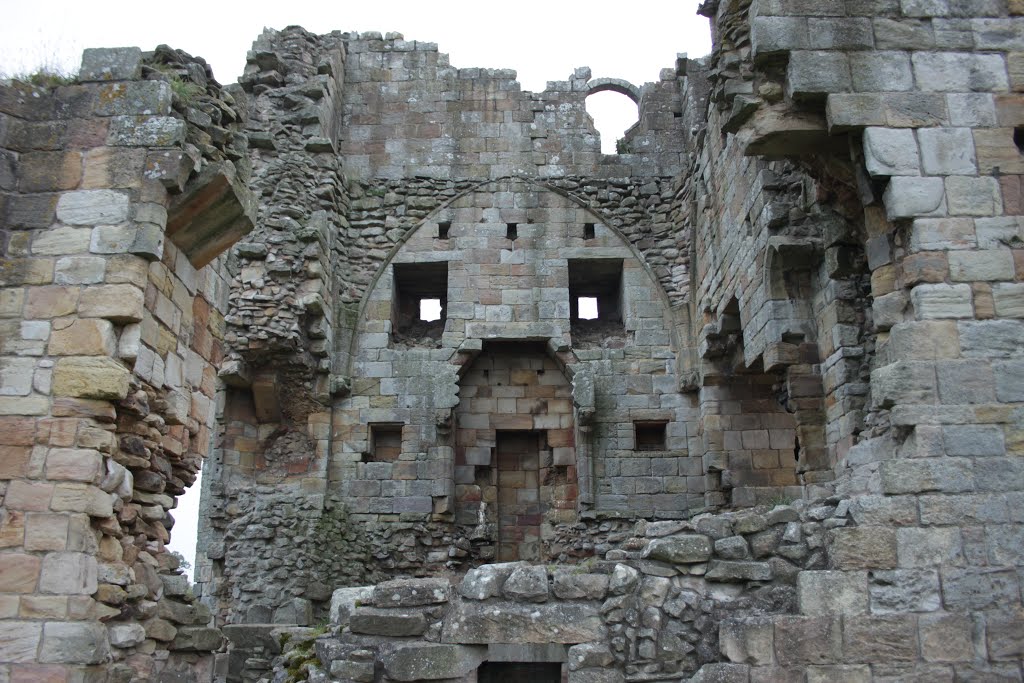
(213, 212)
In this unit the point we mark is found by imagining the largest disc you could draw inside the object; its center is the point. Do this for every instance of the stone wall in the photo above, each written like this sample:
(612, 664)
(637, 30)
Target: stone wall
(808, 270)
(119, 192)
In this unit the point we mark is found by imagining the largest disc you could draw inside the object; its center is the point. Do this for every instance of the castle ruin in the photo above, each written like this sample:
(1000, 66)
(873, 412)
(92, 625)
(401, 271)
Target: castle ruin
(473, 401)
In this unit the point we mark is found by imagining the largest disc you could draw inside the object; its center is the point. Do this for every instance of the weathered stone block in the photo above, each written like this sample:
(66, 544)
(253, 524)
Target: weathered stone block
(569, 584)
(509, 622)
(725, 570)
(431, 661)
(947, 151)
(946, 637)
(891, 151)
(979, 588)
(84, 377)
(68, 574)
(942, 301)
(92, 207)
(862, 548)
(827, 592)
(911, 196)
(814, 74)
(111, 64)
(904, 590)
(82, 337)
(385, 622)
(146, 131)
(748, 641)
(411, 592)
(681, 549)
(528, 583)
(808, 640)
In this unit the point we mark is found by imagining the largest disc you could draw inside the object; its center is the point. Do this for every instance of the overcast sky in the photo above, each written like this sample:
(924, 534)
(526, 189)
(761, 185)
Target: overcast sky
(542, 41)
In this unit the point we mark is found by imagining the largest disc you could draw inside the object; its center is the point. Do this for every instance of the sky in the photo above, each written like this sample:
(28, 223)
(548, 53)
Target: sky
(542, 40)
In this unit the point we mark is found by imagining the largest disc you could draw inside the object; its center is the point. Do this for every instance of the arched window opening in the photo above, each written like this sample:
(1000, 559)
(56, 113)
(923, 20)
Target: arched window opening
(613, 114)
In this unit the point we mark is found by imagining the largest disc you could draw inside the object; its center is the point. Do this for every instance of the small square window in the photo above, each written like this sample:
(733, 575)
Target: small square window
(587, 307)
(385, 442)
(511, 231)
(588, 231)
(649, 436)
(443, 229)
(430, 310)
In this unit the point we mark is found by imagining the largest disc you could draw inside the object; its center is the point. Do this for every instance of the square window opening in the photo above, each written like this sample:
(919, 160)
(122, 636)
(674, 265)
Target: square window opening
(649, 436)
(443, 228)
(511, 231)
(384, 443)
(586, 306)
(588, 231)
(430, 310)
(419, 303)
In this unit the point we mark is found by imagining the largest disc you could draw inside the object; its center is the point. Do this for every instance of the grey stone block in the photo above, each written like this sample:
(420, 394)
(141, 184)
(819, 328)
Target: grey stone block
(919, 475)
(904, 590)
(826, 592)
(942, 301)
(974, 440)
(813, 74)
(967, 196)
(527, 583)
(890, 151)
(881, 71)
(111, 64)
(1009, 381)
(410, 592)
(979, 588)
(960, 71)
(683, 549)
(1009, 299)
(947, 151)
(430, 661)
(386, 622)
(908, 197)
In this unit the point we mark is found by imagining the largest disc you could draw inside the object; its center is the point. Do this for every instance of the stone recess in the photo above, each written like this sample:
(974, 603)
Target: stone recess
(358, 288)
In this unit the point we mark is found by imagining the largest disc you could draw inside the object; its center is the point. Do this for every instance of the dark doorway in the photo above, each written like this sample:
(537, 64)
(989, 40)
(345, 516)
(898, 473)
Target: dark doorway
(519, 672)
(519, 508)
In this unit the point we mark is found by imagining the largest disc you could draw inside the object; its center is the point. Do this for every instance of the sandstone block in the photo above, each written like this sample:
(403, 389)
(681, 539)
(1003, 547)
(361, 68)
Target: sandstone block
(748, 641)
(966, 196)
(942, 301)
(862, 548)
(79, 270)
(16, 376)
(74, 643)
(904, 590)
(82, 337)
(74, 464)
(882, 72)
(979, 588)
(1009, 381)
(946, 637)
(19, 573)
(807, 640)
(1009, 299)
(62, 240)
(19, 640)
(890, 638)
(827, 592)
(83, 377)
(91, 500)
(93, 207)
(68, 574)
(118, 303)
(125, 635)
